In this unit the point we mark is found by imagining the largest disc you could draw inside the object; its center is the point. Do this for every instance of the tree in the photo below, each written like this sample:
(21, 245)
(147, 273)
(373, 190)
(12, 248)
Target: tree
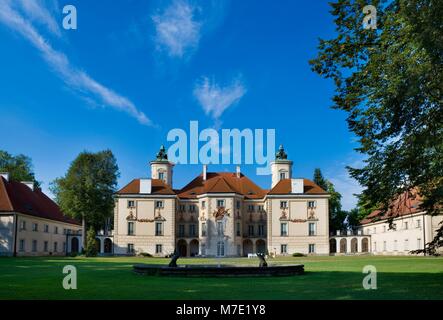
(337, 216)
(19, 167)
(86, 191)
(388, 80)
(319, 180)
(91, 249)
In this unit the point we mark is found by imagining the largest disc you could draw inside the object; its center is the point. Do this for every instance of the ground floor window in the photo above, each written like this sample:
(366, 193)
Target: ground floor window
(284, 248)
(130, 248)
(55, 246)
(22, 245)
(158, 248)
(220, 248)
(45, 246)
(312, 248)
(34, 245)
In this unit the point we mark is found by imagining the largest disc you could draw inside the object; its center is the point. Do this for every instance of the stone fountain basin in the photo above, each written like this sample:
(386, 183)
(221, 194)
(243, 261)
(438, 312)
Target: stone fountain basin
(219, 271)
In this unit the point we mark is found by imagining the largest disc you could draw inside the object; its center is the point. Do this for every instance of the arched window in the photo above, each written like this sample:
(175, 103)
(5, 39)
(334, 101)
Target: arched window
(283, 174)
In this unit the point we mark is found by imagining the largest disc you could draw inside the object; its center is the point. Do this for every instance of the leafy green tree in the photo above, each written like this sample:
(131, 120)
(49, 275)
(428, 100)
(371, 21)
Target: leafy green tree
(91, 248)
(337, 216)
(319, 179)
(19, 167)
(389, 81)
(86, 191)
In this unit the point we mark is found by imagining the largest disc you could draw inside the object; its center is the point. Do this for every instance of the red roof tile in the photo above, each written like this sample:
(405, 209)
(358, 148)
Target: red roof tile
(17, 197)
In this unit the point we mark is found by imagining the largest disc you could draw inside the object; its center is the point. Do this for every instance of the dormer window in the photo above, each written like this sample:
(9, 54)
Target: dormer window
(282, 175)
(161, 176)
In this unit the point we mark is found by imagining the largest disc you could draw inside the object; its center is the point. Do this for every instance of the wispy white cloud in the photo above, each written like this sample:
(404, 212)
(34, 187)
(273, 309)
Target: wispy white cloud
(36, 11)
(215, 99)
(177, 29)
(59, 62)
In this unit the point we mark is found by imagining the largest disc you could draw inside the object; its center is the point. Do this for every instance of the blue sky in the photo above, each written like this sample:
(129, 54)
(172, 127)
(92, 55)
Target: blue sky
(133, 70)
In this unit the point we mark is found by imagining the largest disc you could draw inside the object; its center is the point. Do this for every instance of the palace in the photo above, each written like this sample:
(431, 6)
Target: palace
(221, 214)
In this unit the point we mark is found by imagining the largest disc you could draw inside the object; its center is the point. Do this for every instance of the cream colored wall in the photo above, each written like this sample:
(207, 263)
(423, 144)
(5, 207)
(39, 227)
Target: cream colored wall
(40, 236)
(298, 238)
(277, 167)
(144, 238)
(380, 234)
(165, 167)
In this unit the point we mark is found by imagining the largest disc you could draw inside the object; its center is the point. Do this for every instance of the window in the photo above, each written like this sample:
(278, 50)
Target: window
(283, 248)
(55, 246)
(220, 248)
(251, 208)
(130, 248)
(158, 228)
(220, 230)
(384, 245)
(419, 243)
(406, 244)
(261, 208)
(64, 247)
(161, 176)
(65, 230)
(191, 208)
(182, 208)
(282, 175)
(21, 247)
(45, 246)
(311, 248)
(34, 245)
(203, 204)
(283, 229)
(405, 225)
(131, 204)
(181, 230)
(46, 228)
(22, 225)
(375, 246)
(312, 229)
(395, 245)
(238, 229)
(35, 227)
(261, 230)
(158, 248)
(130, 228)
(159, 204)
(192, 230)
(220, 203)
(418, 223)
(56, 230)
(250, 230)
(283, 204)
(238, 205)
(204, 229)
(312, 204)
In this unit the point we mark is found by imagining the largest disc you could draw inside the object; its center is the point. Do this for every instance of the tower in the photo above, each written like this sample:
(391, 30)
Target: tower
(281, 168)
(161, 168)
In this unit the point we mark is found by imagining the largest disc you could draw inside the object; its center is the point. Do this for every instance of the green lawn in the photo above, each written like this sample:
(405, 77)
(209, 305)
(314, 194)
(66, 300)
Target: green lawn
(325, 278)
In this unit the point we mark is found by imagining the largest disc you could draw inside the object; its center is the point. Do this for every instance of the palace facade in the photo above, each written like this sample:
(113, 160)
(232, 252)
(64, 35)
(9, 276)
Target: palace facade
(221, 214)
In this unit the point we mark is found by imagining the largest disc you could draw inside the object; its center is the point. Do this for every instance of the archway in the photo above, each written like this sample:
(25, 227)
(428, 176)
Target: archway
(108, 245)
(343, 245)
(354, 245)
(261, 246)
(182, 248)
(332, 246)
(193, 248)
(74, 245)
(247, 247)
(365, 245)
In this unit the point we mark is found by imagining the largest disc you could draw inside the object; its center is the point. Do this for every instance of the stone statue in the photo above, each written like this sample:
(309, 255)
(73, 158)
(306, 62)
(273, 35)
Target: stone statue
(263, 262)
(281, 154)
(162, 154)
(175, 256)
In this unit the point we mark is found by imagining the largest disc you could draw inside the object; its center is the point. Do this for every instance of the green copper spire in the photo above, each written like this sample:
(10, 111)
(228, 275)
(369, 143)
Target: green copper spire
(281, 154)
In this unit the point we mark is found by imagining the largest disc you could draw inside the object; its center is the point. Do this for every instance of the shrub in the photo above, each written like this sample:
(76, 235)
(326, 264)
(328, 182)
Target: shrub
(298, 254)
(73, 254)
(145, 254)
(91, 249)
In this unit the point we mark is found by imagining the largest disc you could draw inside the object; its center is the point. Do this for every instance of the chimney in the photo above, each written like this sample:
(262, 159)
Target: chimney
(5, 175)
(29, 184)
(237, 171)
(205, 171)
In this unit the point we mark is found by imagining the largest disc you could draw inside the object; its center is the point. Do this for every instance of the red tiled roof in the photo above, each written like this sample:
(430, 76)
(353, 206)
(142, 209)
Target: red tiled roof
(158, 187)
(406, 203)
(284, 187)
(222, 182)
(18, 197)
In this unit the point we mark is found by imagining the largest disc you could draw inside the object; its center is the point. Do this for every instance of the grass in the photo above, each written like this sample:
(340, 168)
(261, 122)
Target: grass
(325, 278)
